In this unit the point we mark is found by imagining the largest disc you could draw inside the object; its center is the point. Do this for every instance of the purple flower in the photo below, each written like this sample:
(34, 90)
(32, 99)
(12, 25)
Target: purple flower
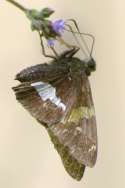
(50, 42)
(58, 26)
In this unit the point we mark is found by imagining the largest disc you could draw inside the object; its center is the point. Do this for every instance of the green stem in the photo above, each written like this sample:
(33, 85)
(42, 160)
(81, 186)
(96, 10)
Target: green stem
(17, 5)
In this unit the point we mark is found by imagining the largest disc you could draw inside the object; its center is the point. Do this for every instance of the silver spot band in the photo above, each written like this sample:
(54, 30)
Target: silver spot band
(46, 91)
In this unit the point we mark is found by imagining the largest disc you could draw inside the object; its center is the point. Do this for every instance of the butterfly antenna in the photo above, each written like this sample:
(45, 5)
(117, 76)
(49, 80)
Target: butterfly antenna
(54, 51)
(81, 36)
(74, 35)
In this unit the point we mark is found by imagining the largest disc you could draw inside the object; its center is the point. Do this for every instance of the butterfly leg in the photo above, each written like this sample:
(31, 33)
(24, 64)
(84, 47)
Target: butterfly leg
(69, 53)
(61, 40)
(74, 35)
(43, 48)
(77, 27)
(86, 34)
(54, 51)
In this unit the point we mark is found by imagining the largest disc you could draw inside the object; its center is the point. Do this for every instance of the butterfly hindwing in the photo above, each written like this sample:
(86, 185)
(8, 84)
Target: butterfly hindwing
(74, 168)
(78, 131)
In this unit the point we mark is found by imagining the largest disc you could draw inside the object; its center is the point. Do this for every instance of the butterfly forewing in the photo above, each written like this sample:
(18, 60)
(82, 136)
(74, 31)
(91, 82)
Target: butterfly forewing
(45, 72)
(49, 103)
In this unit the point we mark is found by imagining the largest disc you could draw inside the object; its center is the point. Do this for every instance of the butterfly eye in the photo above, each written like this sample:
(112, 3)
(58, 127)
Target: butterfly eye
(92, 65)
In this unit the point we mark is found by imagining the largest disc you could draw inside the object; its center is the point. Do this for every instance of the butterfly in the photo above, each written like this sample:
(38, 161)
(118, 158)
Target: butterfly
(58, 96)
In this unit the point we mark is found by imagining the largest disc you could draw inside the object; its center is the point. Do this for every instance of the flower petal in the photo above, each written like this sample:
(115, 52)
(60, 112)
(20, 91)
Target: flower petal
(50, 42)
(58, 26)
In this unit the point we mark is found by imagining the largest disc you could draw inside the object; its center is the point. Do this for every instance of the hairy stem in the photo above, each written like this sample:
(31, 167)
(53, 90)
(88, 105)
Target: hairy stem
(17, 5)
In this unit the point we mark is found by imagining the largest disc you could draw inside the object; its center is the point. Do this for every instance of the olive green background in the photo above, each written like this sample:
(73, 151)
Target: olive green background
(27, 157)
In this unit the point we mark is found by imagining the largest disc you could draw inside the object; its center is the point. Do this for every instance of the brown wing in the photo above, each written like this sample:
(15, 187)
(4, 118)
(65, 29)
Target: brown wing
(48, 72)
(45, 72)
(32, 96)
(72, 165)
(47, 102)
(78, 131)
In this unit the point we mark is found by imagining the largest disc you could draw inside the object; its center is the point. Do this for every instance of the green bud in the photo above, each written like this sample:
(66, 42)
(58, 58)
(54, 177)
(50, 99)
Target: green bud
(32, 14)
(46, 12)
(36, 25)
(39, 15)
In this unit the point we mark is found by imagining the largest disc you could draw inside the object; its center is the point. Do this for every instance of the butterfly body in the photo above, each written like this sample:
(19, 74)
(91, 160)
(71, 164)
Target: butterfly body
(58, 95)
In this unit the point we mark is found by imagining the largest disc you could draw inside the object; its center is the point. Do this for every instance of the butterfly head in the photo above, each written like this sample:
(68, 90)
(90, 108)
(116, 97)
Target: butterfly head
(90, 66)
(76, 65)
(81, 66)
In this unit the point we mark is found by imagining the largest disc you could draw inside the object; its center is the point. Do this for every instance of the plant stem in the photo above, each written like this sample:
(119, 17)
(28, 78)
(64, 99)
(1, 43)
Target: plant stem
(17, 5)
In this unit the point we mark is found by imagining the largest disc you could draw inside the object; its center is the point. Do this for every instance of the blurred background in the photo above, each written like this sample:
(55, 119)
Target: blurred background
(27, 157)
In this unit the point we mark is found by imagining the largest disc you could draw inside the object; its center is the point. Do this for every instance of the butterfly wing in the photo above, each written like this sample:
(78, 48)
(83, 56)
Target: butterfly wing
(48, 72)
(47, 102)
(32, 95)
(45, 72)
(78, 131)
(74, 168)
(66, 110)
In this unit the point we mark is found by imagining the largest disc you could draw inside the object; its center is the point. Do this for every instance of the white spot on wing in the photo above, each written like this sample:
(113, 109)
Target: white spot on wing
(93, 148)
(79, 129)
(46, 91)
